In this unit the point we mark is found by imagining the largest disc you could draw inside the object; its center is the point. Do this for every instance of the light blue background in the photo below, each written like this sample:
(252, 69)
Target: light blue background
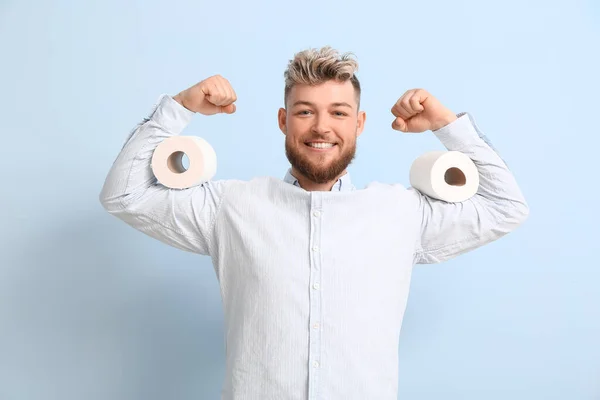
(92, 309)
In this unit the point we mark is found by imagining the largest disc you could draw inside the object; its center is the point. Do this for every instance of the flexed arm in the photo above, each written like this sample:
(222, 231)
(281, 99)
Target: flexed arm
(181, 218)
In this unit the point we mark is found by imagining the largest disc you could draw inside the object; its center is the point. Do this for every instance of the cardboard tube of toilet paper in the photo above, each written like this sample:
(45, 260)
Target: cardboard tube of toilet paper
(445, 175)
(167, 163)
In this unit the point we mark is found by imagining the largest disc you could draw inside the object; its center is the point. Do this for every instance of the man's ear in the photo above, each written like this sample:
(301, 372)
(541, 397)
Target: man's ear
(281, 120)
(360, 122)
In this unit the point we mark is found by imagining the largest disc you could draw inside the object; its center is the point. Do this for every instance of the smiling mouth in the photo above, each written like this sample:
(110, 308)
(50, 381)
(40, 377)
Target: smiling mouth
(320, 145)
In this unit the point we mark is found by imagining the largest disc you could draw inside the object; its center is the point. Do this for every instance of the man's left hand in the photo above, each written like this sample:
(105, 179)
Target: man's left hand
(418, 111)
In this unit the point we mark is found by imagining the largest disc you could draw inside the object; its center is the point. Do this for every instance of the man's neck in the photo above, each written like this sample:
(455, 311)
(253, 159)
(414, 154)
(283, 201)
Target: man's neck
(311, 186)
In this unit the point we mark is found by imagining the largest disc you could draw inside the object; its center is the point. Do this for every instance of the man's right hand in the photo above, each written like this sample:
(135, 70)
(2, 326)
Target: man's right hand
(211, 96)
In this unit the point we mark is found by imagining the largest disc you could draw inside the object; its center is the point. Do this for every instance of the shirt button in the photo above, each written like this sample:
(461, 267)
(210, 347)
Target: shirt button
(315, 248)
(316, 326)
(315, 364)
(316, 286)
(316, 213)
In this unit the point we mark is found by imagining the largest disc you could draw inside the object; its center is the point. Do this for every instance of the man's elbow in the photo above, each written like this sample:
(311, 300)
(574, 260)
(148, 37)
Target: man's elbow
(523, 211)
(107, 203)
(519, 212)
(111, 203)
(507, 216)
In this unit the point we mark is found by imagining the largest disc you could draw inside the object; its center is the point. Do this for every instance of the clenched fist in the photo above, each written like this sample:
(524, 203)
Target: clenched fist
(211, 96)
(417, 111)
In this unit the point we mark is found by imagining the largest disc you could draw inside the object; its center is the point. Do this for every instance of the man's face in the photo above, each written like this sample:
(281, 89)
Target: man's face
(321, 125)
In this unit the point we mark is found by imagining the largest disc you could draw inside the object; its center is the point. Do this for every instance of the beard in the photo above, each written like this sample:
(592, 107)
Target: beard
(314, 167)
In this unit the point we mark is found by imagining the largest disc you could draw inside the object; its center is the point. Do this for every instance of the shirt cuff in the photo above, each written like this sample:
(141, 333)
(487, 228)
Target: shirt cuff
(458, 133)
(171, 115)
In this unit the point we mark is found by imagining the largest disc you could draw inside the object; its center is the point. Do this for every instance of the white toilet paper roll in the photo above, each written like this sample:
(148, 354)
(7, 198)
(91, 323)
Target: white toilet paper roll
(445, 175)
(167, 163)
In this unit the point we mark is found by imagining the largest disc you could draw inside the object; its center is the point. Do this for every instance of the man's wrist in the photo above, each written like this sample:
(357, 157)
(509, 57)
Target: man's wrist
(439, 124)
(178, 98)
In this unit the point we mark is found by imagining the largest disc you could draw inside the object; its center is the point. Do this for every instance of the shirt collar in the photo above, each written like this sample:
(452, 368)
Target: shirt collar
(343, 184)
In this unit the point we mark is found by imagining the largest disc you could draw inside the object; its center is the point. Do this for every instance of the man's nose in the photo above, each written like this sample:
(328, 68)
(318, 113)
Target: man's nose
(321, 124)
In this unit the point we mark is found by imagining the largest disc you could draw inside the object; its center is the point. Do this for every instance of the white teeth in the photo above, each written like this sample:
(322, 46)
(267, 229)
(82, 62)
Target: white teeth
(321, 145)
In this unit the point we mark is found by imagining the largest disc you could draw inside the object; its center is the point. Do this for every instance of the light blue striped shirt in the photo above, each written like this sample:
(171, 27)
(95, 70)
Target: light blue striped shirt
(314, 283)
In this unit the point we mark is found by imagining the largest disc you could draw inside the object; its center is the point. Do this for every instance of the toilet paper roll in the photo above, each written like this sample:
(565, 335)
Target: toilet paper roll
(445, 175)
(167, 163)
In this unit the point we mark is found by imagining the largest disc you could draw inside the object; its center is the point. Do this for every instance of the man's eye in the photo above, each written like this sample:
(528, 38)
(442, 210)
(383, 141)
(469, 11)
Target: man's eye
(303, 111)
(340, 113)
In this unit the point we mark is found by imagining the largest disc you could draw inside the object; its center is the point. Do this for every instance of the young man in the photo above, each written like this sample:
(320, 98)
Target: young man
(314, 273)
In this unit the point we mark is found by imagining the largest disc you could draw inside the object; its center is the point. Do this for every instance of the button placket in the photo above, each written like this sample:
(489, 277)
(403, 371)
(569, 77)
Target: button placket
(315, 316)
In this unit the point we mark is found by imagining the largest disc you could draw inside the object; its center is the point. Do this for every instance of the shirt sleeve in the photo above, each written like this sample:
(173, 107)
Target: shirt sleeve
(182, 218)
(450, 229)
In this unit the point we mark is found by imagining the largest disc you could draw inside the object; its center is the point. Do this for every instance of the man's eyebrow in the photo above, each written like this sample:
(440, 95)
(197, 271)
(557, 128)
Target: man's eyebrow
(342, 104)
(308, 103)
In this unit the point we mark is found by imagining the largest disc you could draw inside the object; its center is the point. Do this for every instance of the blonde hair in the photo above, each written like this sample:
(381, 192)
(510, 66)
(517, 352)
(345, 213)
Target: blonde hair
(316, 66)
